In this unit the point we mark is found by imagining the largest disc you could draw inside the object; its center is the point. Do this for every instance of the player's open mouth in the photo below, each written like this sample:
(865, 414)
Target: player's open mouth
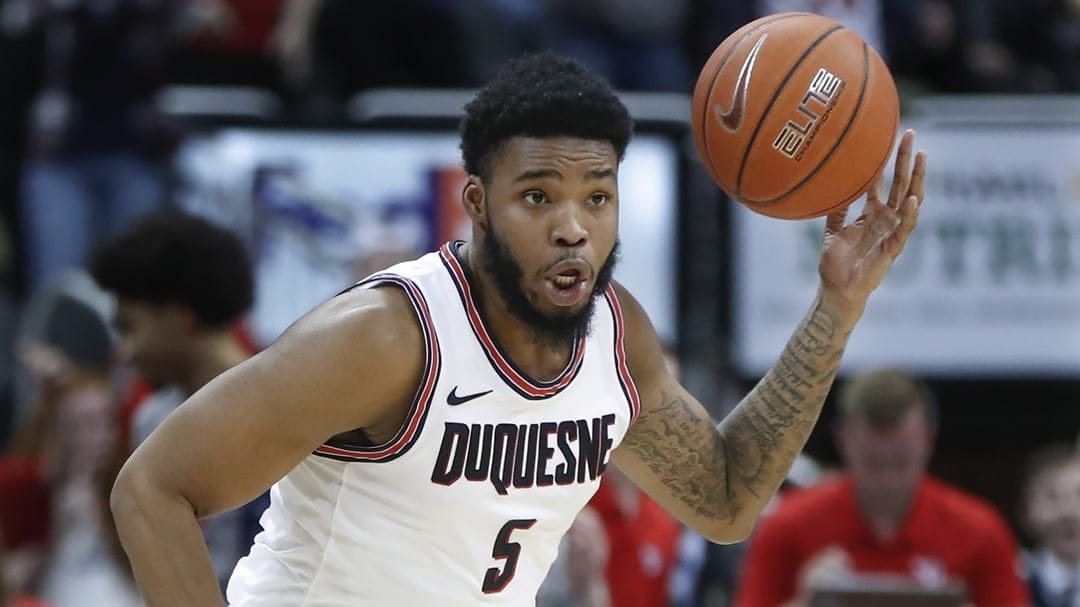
(566, 279)
(567, 282)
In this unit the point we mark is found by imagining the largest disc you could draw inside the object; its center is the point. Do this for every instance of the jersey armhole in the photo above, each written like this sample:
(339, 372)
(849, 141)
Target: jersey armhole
(421, 404)
(626, 381)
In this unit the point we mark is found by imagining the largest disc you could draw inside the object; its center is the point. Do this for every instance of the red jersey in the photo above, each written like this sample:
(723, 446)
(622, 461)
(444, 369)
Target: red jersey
(642, 551)
(24, 503)
(948, 535)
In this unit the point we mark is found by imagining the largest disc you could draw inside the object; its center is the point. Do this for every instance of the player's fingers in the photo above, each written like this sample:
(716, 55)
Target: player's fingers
(909, 215)
(881, 223)
(918, 177)
(834, 223)
(902, 170)
(877, 188)
(873, 199)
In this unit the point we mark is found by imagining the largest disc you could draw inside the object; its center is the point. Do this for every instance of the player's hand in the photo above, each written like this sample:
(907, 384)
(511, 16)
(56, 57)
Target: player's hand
(856, 256)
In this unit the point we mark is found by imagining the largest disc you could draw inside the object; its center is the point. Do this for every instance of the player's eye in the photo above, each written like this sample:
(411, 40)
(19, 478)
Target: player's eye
(535, 197)
(599, 199)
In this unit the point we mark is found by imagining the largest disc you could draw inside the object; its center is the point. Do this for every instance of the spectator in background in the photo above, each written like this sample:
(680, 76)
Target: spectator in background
(576, 578)
(1045, 36)
(497, 31)
(329, 50)
(17, 75)
(228, 42)
(949, 46)
(181, 285)
(635, 44)
(95, 138)
(24, 524)
(884, 514)
(708, 23)
(10, 597)
(1051, 514)
(862, 16)
(69, 434)
(9, 307)
(643, 543)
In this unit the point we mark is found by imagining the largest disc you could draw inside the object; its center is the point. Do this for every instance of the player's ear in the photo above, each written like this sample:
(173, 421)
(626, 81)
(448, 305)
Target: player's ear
(181, 320)
(474, 200)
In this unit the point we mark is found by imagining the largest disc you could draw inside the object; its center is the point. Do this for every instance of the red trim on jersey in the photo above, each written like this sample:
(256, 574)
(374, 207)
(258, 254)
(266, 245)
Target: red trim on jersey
(410, 430)
(518, 380)
(628, 385)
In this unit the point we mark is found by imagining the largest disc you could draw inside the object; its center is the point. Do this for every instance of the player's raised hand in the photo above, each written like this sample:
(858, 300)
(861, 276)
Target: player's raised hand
(856, 256)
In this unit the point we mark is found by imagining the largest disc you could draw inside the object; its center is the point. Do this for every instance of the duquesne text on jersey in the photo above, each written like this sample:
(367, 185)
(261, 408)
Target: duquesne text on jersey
(524, 456)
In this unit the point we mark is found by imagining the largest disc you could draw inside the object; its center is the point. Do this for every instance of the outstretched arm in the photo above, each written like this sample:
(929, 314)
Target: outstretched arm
(717, 478)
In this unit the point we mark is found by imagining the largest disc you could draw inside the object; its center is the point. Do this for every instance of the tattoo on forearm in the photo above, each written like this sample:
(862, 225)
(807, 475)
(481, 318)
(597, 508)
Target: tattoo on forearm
(668, 440)
(753, 448)
(778, 415)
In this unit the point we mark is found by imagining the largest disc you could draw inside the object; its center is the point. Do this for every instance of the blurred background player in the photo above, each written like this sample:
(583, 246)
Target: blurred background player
(182, 286)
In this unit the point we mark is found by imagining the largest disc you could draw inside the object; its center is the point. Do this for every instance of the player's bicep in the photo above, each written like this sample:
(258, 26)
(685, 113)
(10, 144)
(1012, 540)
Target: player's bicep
(249, 426)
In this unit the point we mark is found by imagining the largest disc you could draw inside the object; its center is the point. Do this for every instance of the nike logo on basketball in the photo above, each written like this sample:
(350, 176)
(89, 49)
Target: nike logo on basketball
(453, 399)
(732, 117)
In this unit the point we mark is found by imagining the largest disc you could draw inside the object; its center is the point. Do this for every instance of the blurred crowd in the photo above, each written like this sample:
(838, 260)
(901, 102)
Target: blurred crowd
(85, 222)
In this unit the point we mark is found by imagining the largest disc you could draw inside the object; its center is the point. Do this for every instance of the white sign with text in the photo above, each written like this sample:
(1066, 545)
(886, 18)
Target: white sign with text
(989, 283)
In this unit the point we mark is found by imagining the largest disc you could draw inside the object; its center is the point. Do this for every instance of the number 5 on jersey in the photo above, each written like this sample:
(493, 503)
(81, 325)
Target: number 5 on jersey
(496, 580)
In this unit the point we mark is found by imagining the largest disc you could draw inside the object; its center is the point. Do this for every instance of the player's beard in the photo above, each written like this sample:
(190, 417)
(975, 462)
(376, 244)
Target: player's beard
(558, 330)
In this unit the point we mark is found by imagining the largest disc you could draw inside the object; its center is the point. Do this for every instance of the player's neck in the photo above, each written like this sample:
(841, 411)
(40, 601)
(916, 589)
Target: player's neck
(216, 353)
(539, 360)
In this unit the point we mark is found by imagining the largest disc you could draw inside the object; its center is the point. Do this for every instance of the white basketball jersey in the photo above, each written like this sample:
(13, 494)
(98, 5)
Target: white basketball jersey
(466, 505)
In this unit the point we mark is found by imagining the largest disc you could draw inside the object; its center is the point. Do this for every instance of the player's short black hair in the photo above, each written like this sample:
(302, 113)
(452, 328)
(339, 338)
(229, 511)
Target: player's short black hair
(541, 95)
(173, 257)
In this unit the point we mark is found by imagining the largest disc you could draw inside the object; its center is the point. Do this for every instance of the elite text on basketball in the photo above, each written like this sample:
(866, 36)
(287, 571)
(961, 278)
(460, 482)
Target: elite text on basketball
(821, 97)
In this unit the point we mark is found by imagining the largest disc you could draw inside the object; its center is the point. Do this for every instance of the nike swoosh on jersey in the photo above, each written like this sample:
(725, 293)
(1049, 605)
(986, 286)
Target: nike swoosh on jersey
(453, 399)
(732, 117)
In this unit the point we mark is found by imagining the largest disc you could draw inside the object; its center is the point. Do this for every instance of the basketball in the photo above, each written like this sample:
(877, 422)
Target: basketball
(794, 115)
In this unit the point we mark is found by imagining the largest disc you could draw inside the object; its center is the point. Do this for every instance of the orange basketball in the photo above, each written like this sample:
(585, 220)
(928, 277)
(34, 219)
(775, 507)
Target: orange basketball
(794, 115)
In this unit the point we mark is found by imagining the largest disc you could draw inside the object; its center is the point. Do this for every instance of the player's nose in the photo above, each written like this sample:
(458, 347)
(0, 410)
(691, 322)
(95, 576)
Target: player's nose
(568, 227)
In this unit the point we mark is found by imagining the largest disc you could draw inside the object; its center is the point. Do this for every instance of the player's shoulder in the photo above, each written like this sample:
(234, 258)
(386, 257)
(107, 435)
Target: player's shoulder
(963, 509)
(372, 321)
(363, 350)
(626, 300)
(644, 352)
(634, 319)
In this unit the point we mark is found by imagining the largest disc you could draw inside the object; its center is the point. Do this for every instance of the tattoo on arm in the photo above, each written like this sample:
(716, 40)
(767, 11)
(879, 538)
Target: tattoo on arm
(670, 443)
(718, 472)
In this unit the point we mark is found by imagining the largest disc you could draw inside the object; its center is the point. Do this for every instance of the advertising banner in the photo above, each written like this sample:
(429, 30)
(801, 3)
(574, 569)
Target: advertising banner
(322, 210)
(989, 283)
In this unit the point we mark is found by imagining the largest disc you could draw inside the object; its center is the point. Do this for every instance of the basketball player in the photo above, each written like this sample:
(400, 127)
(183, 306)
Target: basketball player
(430, 433)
